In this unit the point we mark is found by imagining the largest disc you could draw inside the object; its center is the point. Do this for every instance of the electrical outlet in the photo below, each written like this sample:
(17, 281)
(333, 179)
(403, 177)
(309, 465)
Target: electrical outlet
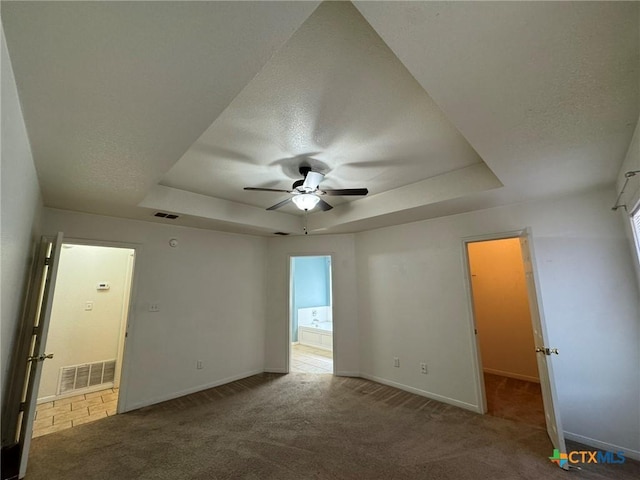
(154, 307)
(199, 365)
(396, 362)
(423, 368)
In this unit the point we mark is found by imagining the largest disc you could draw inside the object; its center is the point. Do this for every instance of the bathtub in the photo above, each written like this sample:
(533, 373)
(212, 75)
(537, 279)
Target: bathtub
(320, 336)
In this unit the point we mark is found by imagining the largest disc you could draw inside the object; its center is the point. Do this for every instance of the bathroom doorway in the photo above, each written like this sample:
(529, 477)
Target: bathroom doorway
(311, 315)
(80, 384)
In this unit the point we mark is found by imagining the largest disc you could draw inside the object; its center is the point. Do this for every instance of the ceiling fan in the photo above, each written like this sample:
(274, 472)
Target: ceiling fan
(306, 192)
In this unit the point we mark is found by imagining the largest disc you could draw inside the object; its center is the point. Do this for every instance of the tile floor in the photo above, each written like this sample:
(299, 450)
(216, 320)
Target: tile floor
(311, 360)
(73, 411)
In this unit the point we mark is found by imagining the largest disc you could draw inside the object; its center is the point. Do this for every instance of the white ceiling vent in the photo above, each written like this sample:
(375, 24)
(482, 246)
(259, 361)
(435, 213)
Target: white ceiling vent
(170, 216)
(76, 377)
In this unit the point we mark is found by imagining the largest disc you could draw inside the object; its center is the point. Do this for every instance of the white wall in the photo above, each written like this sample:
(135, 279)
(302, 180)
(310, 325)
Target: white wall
(345, 308)
(212, 305)
(77, 335)
(413, 303)
(501, 309)
(21, 208)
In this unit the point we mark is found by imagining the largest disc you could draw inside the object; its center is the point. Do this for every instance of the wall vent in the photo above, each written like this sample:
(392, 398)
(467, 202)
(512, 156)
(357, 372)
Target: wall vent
(77, 377)
(170, 216)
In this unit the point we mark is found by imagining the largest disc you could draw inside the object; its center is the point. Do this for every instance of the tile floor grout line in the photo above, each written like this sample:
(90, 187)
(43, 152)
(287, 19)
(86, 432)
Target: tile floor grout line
(311, 360)
(87, 409)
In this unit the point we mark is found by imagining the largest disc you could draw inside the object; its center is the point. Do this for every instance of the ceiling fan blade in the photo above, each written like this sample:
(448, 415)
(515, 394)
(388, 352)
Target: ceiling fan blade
(280, 204)
(257, 189)
(345, 191)
(312, 180)
(324, 206)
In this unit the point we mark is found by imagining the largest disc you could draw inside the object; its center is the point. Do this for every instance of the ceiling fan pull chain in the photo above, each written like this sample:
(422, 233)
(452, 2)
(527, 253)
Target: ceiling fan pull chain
(306, 231)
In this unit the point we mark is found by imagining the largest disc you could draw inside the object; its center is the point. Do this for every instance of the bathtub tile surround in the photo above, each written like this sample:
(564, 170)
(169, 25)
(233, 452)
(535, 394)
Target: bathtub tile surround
(314, 315)
(315, 327)
(316, 337)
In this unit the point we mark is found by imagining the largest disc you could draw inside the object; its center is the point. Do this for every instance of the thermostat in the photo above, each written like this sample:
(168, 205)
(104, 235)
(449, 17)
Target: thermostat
(103, 286)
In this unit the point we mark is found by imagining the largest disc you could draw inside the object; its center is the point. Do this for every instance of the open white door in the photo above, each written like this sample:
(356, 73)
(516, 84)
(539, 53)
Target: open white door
(29, 352)
(545, 367)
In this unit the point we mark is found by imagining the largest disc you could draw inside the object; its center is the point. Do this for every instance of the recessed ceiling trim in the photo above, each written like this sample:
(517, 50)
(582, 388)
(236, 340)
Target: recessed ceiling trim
(187, 203)
(459, 183)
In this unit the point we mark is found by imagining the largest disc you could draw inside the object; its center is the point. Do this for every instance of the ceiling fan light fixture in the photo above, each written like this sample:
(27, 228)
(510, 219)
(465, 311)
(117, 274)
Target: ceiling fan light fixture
(306, 201)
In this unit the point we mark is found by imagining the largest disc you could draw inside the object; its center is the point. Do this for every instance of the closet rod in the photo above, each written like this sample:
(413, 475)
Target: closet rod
(627, 176)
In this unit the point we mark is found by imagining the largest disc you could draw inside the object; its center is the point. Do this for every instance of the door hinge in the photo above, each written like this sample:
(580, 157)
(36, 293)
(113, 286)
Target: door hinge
(547, 350)
(47, 261)
(36, 330)
(23, 406)
(40, 358)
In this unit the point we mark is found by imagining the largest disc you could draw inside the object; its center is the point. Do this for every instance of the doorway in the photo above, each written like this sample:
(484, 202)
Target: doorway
(311, 315)
(544, 352)
(505, 333)
(86, 336)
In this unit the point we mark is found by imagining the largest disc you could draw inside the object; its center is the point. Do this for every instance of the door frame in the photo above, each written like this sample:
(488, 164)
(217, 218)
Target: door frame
(290, 256)
(128, 324)
(477, 356)
(553, 421)
(481, 394)
(38, 302)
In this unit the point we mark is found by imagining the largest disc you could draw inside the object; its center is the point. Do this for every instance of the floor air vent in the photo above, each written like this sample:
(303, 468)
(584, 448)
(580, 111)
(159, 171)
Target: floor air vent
(76, 377)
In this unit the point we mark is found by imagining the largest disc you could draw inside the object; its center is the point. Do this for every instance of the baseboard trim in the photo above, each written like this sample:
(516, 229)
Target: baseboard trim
(348, 374)
(188, 391)
(517, 376)
(75, 393)
(275, 370)
(609, 447)
(423, 393)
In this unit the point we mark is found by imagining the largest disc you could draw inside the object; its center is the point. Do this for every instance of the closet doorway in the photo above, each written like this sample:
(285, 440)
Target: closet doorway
(505, 333)
(497, 268)
(311, 314)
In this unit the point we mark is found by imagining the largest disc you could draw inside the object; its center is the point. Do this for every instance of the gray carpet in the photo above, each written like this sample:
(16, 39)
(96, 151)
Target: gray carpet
(303, 426)
(514, 400)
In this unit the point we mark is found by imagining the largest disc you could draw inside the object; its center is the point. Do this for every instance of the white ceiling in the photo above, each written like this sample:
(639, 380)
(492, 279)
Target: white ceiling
(436, 107)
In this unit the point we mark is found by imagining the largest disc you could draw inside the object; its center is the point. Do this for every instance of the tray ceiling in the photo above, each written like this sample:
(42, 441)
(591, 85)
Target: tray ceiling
(436, 107)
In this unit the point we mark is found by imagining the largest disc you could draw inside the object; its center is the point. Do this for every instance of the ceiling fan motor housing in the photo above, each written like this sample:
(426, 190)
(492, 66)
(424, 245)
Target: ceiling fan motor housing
(304, 170)
(306, 193)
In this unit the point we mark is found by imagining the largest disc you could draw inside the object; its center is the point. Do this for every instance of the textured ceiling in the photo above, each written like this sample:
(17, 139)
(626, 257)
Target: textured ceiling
(436, 107)
(333, 96)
